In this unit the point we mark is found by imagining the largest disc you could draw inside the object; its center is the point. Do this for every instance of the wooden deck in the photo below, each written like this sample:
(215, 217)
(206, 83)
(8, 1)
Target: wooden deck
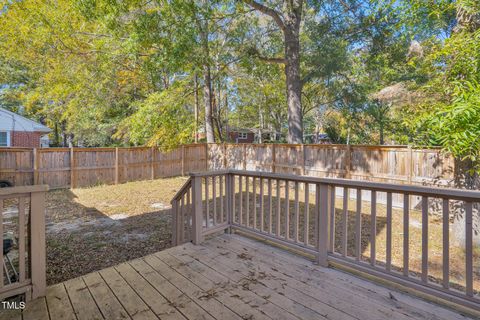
(227, 277)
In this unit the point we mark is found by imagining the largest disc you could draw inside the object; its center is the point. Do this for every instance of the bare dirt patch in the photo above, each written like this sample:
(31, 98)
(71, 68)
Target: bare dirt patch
(94, 228)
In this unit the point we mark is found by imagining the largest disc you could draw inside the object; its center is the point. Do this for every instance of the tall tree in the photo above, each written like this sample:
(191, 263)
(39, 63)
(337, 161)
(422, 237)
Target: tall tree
(289, 20)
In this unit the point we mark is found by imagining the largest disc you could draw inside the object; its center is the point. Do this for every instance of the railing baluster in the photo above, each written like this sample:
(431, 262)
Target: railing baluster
(287, 210)
(189, 215)
(214, 196)
(270, 206)
(406, 225)
(345, 222)
(247, 204)
(389, 232)
(222, 197)
(21, 238)
(182, 218)
(207, 210)
(373, 228)
(468, 249)
(262, 226)
(446, 244)
(254, 208)
(425, 239)
(297, 209)
(240, 200)
(277, 223)
(331, 235)
(306, 218)
(233, 190)
(175, 233)
(358, 226)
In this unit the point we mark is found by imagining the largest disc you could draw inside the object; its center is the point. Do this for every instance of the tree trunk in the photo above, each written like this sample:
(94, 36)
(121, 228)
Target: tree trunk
(208, 104)
(289, 22)
(382, 134)
(293, 82)
(196, 107)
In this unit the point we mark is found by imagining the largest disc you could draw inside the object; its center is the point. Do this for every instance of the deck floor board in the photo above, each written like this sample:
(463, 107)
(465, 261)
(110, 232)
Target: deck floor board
(226, 277)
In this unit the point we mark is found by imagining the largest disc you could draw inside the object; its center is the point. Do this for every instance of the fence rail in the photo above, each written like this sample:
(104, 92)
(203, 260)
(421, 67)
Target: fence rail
(81, 167)
(308, 215)
(22, 227)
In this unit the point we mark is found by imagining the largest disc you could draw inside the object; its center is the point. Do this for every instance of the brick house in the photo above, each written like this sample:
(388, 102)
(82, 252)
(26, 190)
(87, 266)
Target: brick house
(18, 131)
(241, 136)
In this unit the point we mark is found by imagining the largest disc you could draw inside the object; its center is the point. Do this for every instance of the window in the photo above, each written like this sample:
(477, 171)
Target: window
(242, 135)
(4, 139)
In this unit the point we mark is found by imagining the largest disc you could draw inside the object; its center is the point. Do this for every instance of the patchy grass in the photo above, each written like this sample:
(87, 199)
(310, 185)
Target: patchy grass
(94, 228)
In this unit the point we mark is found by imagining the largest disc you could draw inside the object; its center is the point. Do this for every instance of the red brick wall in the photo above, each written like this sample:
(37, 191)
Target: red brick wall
(25, 139)
(234, 135)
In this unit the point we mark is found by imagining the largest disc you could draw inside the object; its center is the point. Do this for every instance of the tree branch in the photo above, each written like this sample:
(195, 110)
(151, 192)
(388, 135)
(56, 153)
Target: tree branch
(268, 11)
(272, 60)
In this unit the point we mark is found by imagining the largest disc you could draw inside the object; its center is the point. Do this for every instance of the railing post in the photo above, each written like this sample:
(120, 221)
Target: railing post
(197, 216)
(37, 254)
(322, 206)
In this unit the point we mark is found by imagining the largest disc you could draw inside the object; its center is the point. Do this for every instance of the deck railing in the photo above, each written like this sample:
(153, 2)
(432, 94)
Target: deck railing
(340, 222)
(22, 222)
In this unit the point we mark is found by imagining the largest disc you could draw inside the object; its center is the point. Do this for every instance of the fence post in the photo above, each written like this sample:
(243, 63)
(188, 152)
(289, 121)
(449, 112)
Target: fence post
(348, 162)
(244, 156)
(183, 160)
(273, 157)
(225, 156)
(35, 166)
(322, 206)
(152, 164)
(197, 217)
(116, 165)
(206, 157)
(72, 169)
(409, 164)
(304, 160)
(37, 254)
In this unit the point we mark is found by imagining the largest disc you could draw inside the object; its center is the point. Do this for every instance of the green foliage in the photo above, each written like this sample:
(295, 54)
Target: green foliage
(163, 119)
(456, 125)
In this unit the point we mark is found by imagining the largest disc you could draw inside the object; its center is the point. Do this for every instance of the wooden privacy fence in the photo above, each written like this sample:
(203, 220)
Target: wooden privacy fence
(22, 222)
(81, 167)
(302, 213)
(395, 164)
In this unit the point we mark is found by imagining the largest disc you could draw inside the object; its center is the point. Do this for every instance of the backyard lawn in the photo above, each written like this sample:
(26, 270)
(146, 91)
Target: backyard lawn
(94, 228)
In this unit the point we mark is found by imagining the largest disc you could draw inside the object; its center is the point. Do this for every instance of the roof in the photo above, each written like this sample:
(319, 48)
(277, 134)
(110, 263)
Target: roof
(11, 121)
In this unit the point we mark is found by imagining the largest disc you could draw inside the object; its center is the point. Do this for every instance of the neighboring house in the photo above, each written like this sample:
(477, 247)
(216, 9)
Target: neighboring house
(241, 135)
(18, 131)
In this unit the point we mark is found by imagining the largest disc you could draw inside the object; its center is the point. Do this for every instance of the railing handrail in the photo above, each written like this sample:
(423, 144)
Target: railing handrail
(23, 189)
(454, 194)
(182, 190)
